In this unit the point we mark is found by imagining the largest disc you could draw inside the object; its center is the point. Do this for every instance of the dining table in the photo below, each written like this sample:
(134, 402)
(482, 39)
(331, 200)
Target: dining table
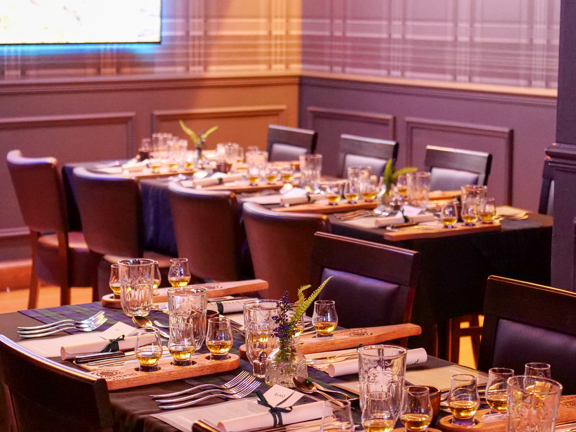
(453, 269)
(133, 407)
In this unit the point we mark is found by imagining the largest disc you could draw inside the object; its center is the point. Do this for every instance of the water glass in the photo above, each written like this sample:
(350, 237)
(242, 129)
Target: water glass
(380, 411)
(114, 282)
(416, 409)
(533, 404)
(496, 389)
(325, 318)
(219, 338)
(418, 189)
(538, 369)
(487, 210)
(469, 212)
(382, 368)
(476, 192)
(179, 274)
(449, 214)
(463, 399)
(148, 349)
(337, 417)
(311, 171)
(256, 162)
(136, 286)
(182, 343)
(187, 305)
(259, 330)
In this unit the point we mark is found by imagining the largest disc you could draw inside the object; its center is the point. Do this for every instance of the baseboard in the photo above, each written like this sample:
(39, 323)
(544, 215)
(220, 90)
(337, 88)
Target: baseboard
(15, 274)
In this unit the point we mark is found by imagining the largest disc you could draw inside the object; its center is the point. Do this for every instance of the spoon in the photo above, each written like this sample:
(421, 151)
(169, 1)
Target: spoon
(308, 387)
(144, 322)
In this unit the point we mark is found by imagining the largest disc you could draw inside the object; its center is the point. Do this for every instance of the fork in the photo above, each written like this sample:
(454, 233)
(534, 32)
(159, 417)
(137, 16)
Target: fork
(89, 328)
(228, 385)
(239, 395)
(240, 387)
(64, 321)
(76, 326)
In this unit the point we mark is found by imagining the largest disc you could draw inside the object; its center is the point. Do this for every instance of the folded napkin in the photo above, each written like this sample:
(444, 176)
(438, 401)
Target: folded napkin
(229, 306)
(218, 178)
(299, 413)
(424, 217)
(299, 196)
(389, 220)
(263, 199)
(349, 367)
(133, 166)
(68, 352)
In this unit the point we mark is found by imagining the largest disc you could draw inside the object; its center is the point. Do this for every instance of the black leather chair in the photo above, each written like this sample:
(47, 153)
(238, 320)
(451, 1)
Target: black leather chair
(365, 152)
(59, 256)
(209, 233)
(372, 284)
(526, 322)
(281, 247)
(46, 396)
(112, 220)
(452, 168)
(288, 144)
(546, 205)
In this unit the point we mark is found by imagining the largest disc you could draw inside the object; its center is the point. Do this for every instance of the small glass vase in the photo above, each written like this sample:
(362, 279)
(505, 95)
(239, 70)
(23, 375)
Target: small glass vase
(389, 200)
(285, 363)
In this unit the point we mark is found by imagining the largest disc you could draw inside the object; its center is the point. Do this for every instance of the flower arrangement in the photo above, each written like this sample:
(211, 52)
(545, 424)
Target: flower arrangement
(390, 176)
(197, 139)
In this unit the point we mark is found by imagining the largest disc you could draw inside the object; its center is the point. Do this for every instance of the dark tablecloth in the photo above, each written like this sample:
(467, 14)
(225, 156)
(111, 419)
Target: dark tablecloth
(132, 407)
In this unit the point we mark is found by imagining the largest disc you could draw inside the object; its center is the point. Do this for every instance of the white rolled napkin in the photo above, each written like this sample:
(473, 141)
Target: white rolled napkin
(299, 196)
(69, 352)
(424, 217)
(389, 220)
(349, 367)
(299, 413)
(229, 306)
(218, 178)
(133, 166)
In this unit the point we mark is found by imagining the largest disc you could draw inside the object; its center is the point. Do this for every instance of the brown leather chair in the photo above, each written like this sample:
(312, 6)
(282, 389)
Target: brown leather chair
(366, 152)
(525, 322)
(288, 144)
(452, 168)
(546, 205)
(112, 219)
(209, 233)
(281, 247)
(47, 396)
(372, 284)
(59, 256)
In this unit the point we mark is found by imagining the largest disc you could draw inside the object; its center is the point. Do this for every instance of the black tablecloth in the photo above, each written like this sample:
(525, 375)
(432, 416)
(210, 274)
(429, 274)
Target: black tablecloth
(132, 407)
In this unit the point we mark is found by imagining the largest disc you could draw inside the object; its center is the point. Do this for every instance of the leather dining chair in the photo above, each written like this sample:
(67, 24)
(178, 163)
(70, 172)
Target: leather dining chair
(281, 247)
(525, 322)
(288, 144)
(372, 284)
(43, 395)
(452, 168)
(112, 220)
(546, 205)
(365, 152)
(209, 233)
(59, 256)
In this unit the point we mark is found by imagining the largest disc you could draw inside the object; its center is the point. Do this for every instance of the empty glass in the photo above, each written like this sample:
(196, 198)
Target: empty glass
(418, 189)
(497, 388)
(179, 274)
(476, 192)
(325, 318)
(416, 409)
(187, 305)
(256, 162)
(311, 171)
(259, 330)
(219, 338)
(463, 399)
(136, 286)
(538, 369)
(114, 282)
(337, 417)
(148, 349)
(449, 214)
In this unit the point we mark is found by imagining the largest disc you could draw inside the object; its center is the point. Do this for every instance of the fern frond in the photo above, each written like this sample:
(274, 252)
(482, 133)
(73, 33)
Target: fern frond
(301, 308)
(301, 296)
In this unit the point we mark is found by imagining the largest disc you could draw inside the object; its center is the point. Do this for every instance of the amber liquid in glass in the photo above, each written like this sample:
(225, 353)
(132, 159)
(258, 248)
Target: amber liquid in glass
(487, 217)
(156, 284)
(333, 199)
(253, 179)
(462, 409)
(415, 422)
(148, 358)
(182, 352)
(155, 167)
(298, 329)
(469, 219)
(497, 402)
(369, 196)
(219, 347)
(378, 425)
(179, 281)
(173, 166)
(286, 177)
(351, 197)
(449, 221)
(271, 178)
(116, 288)
(325, 328)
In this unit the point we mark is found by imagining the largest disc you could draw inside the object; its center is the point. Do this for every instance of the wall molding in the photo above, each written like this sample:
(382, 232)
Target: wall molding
(220, 112)
(505, 134)
(14, 233)
(359, 116)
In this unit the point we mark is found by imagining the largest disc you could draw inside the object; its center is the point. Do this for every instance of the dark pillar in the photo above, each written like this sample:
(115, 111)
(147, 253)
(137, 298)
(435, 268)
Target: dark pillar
(563, 153)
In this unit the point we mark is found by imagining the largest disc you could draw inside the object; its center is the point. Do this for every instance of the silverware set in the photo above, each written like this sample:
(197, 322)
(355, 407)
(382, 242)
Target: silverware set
(237, 388)
(356, 214)
(87, 325)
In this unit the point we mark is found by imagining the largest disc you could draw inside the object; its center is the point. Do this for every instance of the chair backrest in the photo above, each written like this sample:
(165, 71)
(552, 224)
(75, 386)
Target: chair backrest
(208, 231)
(111, 213)
(546, 205)
(288, 144)
(40, 192)
(281, 247)
(526, 322)
(45, 395)
(366, 152)
(374, 284)
(452, 168)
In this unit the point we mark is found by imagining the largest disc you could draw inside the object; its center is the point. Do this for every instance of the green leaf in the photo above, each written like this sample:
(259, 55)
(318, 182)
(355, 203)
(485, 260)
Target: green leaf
(388, 171)
(189, 132)
(301, 308)
(208, 132)
(403, 171)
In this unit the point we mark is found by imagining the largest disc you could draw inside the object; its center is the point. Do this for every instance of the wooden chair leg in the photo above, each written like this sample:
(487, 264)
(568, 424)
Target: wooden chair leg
(476, 337)
(34, 283)
(63, 258)
(454, 339)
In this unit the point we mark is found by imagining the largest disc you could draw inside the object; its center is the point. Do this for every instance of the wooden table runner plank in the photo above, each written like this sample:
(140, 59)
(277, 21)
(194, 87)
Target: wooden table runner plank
(243, 187)
(421, 231)
(225, 289)
(323, 207)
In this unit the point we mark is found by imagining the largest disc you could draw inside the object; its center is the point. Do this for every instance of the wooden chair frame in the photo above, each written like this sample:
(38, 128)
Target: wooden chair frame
(363, 146)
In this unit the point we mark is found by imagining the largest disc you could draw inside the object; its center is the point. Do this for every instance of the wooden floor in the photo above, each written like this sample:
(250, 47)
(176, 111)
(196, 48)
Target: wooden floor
(16, 300)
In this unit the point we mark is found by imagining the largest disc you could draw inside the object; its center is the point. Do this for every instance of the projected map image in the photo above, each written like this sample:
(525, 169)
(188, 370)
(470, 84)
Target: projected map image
(79, 21)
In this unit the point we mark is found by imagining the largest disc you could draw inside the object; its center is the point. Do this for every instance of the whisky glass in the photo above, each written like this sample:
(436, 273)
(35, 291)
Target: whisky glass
(179, 274)
(114, 282)
(469, 212)
(157, 278)
(148, 349)
(219, 338)
(333, 192)
(538, 369)
(449, 214)
(463, 399)
(487, 210)
(325, 318)
(496, 389)
(182, 342)
(337, 417)
(380, 411)
(416, 409)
